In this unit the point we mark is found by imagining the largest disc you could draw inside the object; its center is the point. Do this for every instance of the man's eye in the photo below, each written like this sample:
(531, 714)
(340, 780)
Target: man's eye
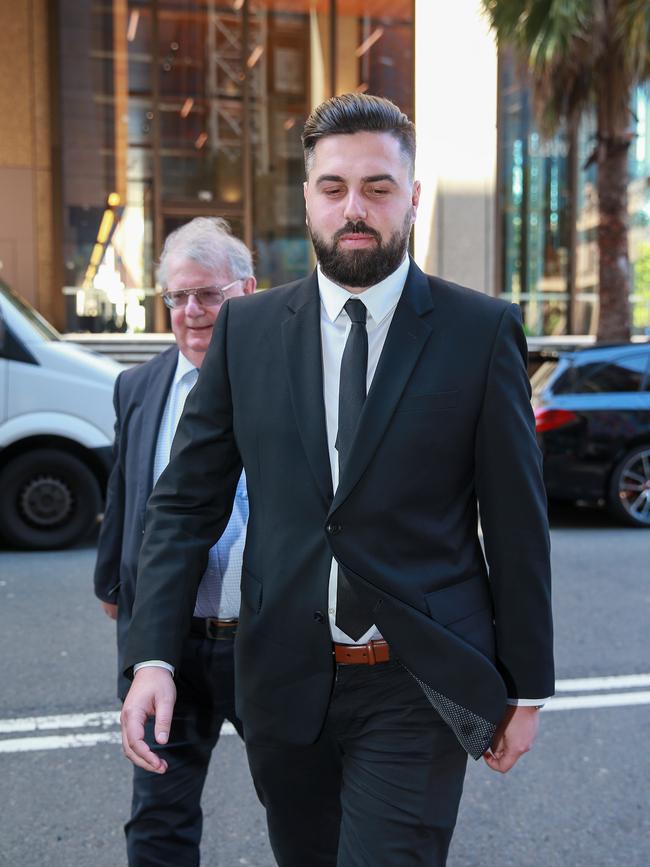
(379, 191)
(332, 191)
(210, 296)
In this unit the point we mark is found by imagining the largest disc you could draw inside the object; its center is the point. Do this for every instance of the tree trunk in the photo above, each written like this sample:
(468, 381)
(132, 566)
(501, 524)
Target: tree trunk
(614, 276)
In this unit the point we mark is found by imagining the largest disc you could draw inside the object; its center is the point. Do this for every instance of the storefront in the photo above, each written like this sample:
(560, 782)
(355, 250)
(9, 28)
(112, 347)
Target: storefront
(548, 214)
(172, 109)
(124, 118)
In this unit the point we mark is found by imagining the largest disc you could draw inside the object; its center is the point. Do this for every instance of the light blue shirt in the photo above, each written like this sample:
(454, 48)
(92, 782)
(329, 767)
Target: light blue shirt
(218, 594)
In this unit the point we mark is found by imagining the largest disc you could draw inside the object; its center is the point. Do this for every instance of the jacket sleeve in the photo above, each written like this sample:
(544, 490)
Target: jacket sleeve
(187, 511)
(512, 505)
(109, 546)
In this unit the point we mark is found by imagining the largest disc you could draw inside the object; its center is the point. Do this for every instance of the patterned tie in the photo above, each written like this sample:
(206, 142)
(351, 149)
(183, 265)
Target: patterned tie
(352, 395)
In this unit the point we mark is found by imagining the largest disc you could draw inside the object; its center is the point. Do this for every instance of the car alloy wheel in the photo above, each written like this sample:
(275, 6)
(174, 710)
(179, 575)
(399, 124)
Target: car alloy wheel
(629, 495)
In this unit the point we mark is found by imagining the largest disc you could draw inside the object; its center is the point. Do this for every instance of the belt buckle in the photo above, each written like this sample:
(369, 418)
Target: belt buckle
(211, 628)
(220, 630)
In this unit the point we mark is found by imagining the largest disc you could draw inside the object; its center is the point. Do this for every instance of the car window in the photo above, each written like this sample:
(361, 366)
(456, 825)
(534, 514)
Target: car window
(46, 331)
(558, 374)
(542, 375)
(625, 373)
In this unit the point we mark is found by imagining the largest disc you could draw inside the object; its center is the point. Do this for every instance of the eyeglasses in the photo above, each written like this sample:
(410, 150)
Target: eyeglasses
(206, 296)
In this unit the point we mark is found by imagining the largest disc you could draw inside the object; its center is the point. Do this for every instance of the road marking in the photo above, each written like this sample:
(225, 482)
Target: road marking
(103, 720)
(58, 742)
(586, 684)
(615, 699)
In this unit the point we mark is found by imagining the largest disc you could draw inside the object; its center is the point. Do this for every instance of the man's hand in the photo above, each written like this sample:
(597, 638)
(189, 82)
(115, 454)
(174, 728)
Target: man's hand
(514, 737)
(110, 609)
(152, 693)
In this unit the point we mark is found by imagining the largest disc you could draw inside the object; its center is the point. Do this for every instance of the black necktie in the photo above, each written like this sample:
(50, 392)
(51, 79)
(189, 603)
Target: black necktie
(352, 394)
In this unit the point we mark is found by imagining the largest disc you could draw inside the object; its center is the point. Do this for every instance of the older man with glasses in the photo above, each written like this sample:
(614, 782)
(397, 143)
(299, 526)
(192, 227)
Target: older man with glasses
(201, 266)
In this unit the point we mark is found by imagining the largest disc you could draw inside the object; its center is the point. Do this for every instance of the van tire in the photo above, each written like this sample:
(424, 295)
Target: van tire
(48, 499)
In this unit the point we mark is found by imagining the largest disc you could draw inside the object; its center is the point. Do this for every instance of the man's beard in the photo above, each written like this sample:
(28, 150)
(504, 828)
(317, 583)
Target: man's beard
(361, 268)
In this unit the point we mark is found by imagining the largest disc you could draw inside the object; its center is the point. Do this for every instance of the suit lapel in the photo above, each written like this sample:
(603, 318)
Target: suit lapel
(406, 338)
(153, 399)
(304, 362)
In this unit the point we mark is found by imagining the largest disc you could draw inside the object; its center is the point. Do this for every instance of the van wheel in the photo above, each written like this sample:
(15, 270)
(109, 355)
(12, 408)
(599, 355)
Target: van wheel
(629, 489)
(48, 499)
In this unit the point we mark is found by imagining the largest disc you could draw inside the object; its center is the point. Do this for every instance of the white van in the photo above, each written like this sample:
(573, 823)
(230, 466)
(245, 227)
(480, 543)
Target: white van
(56, 430)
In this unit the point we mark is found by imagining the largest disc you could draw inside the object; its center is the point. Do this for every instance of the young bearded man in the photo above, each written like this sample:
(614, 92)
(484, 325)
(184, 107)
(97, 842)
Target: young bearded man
(375, 410)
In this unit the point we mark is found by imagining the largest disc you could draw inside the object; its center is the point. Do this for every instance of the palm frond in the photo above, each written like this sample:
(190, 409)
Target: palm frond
(559, 42)
(632, 29)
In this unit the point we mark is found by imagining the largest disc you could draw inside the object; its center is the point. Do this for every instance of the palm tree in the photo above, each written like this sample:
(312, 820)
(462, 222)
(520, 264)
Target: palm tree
(581, 54)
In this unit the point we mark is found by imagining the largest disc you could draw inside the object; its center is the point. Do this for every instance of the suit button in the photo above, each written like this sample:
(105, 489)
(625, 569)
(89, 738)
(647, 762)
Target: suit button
(333, 529)
(319, 617)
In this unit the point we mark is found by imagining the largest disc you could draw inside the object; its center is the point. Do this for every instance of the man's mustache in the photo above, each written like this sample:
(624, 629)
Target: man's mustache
(356, 228)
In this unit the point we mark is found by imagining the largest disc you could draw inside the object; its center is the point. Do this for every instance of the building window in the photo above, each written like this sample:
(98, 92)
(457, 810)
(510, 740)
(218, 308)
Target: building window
(547, 204)
(533, 197)
(179, 108)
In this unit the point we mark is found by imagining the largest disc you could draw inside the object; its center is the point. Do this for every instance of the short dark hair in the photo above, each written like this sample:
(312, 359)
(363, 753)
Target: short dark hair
(357, 112)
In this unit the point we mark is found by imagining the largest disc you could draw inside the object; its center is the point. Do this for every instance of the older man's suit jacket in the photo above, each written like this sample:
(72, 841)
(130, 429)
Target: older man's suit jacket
(139, 398)
(447, 424)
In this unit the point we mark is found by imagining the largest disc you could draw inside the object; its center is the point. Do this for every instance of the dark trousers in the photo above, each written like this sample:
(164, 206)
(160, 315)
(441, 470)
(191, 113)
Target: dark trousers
(379, 788)
(166, 817)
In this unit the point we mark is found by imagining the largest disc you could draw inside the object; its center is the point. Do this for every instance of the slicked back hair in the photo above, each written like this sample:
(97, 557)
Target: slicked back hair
(208, 242)
(358, 112)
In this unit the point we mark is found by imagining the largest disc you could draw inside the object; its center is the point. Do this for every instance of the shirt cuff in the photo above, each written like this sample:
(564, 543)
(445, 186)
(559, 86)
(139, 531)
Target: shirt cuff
(153, 663)
(529, 702)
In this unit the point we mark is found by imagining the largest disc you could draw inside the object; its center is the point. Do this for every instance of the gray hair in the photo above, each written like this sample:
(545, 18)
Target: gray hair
(208, 242)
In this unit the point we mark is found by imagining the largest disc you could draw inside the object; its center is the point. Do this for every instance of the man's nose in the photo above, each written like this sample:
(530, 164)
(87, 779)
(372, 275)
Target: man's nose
(355, 208)
(193, 307)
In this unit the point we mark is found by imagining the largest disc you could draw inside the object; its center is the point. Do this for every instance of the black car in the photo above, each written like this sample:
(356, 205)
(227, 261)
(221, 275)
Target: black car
(592, 412)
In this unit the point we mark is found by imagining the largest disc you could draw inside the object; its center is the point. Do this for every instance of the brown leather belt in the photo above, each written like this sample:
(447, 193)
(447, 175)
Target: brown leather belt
(362, 654)
(212, 627)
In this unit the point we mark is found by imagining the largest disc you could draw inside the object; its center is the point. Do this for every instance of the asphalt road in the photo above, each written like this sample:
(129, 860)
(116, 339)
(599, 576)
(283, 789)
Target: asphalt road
(579, 799)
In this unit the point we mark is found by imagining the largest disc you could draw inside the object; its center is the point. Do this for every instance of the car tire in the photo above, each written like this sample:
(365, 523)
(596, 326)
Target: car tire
(48, 499)
(629, 488)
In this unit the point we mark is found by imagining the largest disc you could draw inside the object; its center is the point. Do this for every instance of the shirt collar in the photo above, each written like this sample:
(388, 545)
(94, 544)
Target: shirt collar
(183, 367)
(379, 299)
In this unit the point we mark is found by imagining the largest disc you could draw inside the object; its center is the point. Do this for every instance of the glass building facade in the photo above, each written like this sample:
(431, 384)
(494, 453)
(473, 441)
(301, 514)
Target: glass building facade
(171, 109)
(547, 207)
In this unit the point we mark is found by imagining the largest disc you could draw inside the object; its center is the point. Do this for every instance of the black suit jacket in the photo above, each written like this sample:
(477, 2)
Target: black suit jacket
(139, 398)
(447, 423)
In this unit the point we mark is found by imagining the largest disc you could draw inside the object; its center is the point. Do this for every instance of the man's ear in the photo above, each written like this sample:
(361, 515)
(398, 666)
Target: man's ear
(415, 198)
(249, 285)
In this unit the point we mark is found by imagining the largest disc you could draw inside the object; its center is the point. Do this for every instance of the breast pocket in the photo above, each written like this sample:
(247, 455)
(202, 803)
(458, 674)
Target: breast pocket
(437, 401)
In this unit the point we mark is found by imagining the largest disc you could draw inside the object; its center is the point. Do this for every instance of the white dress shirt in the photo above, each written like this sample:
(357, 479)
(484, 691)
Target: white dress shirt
(380, 301)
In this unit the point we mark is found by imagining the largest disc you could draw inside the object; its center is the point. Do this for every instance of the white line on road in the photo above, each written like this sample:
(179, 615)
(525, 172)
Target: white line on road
(110, 719)
(587, 684)
(105, 719)
(61, 742)
(58, 742)
(614, 699)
